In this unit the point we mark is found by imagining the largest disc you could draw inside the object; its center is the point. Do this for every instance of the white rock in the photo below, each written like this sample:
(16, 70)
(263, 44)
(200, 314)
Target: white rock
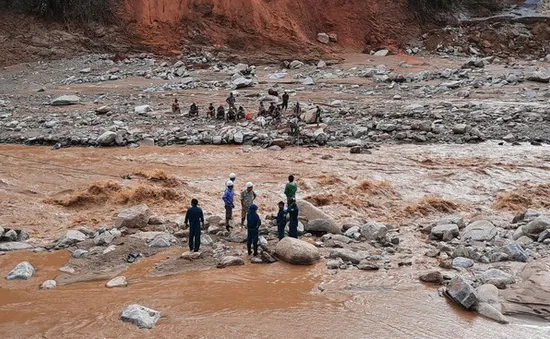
(117, 282)
(48, 285)
(140, 316)
(323, 38)
(382, 53)
(143, 109)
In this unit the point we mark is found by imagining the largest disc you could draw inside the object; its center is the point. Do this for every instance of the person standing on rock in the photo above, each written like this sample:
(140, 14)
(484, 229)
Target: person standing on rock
(194, 219)
(293, 211)
(247, 199)
(297, 110)
(290, 189)
(281, 220)
(285, 100)
(231, 101)
(253, 226)
(232, 177)
(318, 118)
(228, 197)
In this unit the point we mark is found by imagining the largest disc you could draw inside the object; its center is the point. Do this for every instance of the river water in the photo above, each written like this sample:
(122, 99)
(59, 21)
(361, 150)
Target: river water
(251, 301)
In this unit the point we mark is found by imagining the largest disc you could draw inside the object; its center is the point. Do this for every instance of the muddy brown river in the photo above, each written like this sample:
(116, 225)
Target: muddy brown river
(251, 301)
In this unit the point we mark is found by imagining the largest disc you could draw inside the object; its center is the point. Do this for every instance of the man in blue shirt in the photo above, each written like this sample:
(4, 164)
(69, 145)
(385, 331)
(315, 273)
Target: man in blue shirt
(194, 219)
(253, 224)
(228, 197)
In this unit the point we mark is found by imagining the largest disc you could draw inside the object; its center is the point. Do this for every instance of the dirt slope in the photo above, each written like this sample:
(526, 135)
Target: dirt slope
(277, 26)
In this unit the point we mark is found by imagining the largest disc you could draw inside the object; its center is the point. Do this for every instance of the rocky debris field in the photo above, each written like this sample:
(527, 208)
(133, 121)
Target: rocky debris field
(95, 101)
(483, 267)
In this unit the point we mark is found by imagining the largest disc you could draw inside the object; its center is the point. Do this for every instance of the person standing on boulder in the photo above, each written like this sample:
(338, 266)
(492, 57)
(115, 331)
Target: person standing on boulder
(247, 199)
(194, 219)
(253, 225)
(228, 197)
(293, 211)
(285, 100)
(281, 220)
(290, 189)
(231, 101)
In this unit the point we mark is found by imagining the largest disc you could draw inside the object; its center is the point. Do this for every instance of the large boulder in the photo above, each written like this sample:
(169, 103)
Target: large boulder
(242, 82)
(65, 100)
(323, 38)
(374, 231)
(70, 238)
(107, 139)
(515, 252)
(537, 226)
(531, 296)
(140, 316)
(348, 255)
(22, 271)
(488, 303)
(481, 230)
(309, 116)
(538, 76)
(461, 292)
(310, 212)
(322, 226)
(104, 238)
(497, 277)
(14, 246)
(134, 217)
(297, 252)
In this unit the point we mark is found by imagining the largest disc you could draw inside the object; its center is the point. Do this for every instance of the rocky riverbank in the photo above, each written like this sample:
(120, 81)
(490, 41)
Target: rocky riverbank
(95, 101)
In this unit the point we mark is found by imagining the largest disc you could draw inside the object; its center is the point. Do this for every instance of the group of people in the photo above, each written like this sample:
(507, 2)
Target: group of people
(275, 112)
(232, 114)
(194, 218)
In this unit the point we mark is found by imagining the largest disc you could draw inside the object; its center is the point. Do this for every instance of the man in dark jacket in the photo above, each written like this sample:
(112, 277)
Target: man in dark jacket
(293, 214)
(231, 101)
(194, 219)
(285, 100)
(253, 224)
(281, 220)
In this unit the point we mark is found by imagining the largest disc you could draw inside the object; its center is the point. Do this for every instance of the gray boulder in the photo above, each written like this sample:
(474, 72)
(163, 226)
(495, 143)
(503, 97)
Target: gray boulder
(432, 277)
(461, 262)
(461, 292)
(242, 82)
(14, 246)
(374, 231)
(310, 212)
(162, 240)
(352, 231)
(70, 238)
(322, 226)
(135, 217)
(22, 271)
(382, 53)
(107, 139)
(516, 252)
(103, 239)
(537, 226)
(335, 264)
(538, 76)
(297, 252)
(481, 230)
(230, 261)
(140, 316)
(65, 100)
(323, 38)
(10, 235)
(446, 230)
(544, 235)
(497, 277)
(79, 253)
(348, 255)
(488, 303)
(143, 109)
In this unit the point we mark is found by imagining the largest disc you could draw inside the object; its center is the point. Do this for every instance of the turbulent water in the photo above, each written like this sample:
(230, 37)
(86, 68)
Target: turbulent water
(251, 301)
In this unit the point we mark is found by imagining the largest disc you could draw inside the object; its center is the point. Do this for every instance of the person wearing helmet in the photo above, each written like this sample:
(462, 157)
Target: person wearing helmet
(293, 211)
(232, 177)
(227, 197)
(253, 225)
(247, 199)
(194, 219)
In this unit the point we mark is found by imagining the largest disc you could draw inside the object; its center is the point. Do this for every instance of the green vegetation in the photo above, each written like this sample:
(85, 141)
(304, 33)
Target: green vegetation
(64, 10)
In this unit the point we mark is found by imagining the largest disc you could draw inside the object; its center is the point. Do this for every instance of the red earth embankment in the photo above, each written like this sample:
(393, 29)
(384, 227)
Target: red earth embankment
(271, 26)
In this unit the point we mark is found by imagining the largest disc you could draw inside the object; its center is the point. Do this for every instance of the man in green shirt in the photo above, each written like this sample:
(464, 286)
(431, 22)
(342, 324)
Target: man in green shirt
(290, 189)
